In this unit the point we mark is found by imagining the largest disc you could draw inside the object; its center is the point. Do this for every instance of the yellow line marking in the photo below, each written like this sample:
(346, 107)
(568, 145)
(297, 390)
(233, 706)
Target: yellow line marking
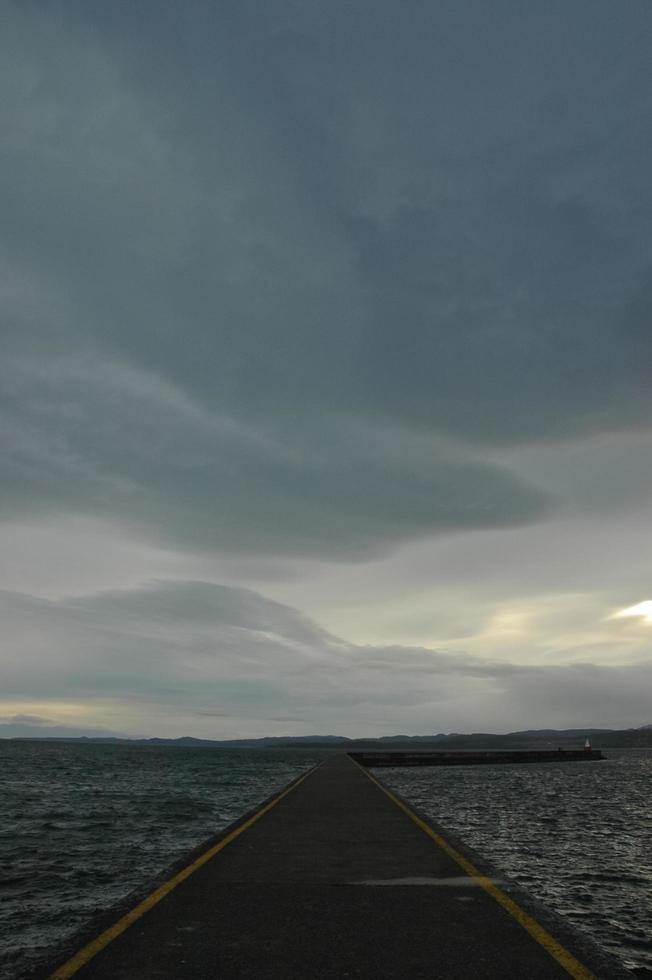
(541, 935)
(95, 946)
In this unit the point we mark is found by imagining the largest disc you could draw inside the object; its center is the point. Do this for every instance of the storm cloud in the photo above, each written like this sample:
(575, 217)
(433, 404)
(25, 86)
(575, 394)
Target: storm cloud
(288, 287)
(109, 441)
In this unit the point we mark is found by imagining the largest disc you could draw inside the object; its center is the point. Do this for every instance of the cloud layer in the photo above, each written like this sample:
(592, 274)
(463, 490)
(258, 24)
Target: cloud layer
(196, 658)
(248, 293)
(108, 441)
(346, 304)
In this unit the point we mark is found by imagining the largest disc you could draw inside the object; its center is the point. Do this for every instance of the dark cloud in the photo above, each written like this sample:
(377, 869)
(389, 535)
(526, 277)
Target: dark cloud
(109, 441)
(298, 220)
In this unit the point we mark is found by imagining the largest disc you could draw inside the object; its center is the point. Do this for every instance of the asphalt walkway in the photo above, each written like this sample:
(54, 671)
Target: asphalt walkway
(334, 881)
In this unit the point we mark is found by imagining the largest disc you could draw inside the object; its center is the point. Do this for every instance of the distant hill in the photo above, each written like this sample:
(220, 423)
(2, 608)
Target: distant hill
(537, 738)
(268, 741)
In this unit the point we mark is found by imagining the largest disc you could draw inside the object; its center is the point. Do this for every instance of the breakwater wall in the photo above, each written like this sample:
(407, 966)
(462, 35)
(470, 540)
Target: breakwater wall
(383, 759)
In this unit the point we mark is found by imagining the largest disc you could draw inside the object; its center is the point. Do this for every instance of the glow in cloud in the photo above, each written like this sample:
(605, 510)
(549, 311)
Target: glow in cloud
(641, 609)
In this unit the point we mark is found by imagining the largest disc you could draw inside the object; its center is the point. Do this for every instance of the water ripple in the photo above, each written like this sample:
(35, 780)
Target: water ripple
(578, 836)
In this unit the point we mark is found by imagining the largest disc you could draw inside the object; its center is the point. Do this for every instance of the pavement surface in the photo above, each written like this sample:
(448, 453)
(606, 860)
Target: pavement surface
(334, 881)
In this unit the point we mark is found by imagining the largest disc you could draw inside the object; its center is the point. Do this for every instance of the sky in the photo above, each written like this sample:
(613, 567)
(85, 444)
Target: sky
(326, 358)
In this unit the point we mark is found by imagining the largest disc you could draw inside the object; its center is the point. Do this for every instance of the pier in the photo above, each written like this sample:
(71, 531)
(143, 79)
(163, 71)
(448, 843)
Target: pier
(472, 758)
(335, 877)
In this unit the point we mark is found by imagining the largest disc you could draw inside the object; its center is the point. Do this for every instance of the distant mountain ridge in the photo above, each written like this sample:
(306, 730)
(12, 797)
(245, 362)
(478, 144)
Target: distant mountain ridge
(536, 738)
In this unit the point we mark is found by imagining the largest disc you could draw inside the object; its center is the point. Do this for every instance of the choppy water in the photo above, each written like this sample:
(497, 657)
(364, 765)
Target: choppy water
(576, 835)
(83, 825)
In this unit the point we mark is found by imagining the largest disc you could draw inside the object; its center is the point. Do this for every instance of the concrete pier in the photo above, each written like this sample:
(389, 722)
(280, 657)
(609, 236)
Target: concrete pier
(335, 878)
(474, 758)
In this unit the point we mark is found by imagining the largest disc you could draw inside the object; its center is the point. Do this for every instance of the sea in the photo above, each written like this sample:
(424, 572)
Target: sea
(84, 824)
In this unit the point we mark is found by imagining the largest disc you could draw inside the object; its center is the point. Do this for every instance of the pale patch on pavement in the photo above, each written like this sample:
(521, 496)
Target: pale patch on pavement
(462, 881)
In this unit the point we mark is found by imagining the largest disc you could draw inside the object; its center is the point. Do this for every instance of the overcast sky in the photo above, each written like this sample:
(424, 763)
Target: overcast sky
(326, 366)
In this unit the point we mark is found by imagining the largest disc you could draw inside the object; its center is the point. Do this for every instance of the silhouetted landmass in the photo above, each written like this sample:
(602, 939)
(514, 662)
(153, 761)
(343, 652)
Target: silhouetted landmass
(544, 738)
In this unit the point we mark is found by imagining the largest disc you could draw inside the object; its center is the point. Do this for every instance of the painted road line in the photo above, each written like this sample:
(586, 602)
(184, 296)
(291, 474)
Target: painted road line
(538, 933)
(95, 946)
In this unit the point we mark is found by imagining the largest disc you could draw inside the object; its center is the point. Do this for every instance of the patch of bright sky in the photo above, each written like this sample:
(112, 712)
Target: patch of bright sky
(642, 610)
(79, 556)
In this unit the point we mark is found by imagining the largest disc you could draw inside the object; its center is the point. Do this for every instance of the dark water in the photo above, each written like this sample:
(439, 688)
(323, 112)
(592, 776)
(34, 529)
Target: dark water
(82, 825)
(576, 835)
